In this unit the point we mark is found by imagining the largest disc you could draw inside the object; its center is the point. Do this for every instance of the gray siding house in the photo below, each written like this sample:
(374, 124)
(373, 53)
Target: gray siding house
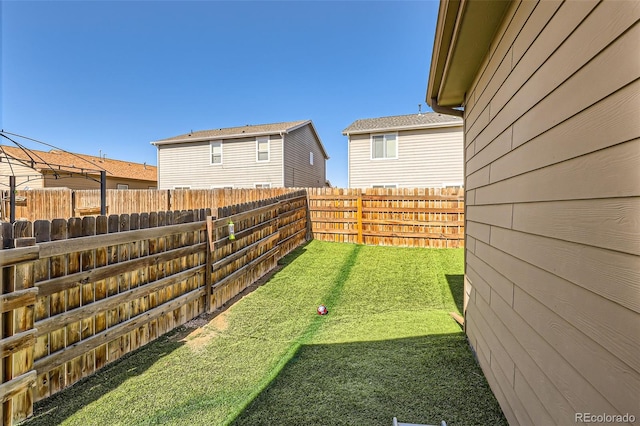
(410, 151)
(549, 91)
(258, 156)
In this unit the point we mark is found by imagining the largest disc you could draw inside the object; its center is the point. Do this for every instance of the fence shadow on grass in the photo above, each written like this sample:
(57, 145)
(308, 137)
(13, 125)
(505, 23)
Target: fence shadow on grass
(418, 380)
(456, 286)
(55, 409)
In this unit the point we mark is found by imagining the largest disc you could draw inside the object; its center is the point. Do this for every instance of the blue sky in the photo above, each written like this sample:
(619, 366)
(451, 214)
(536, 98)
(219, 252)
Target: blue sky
(115, 75)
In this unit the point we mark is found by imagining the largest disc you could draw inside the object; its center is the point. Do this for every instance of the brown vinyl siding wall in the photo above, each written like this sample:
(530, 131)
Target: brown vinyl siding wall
(552, 157)
(297, 170)
(426, 158)
(189, 164)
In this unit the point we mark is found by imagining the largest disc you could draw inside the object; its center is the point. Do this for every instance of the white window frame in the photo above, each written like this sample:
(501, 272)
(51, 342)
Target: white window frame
(258, 140)
(221, 186)
(311, 158)
(122, 186)
(262, 185)
(181, 186)
(371, 150)
(385, 186)
(211, 145)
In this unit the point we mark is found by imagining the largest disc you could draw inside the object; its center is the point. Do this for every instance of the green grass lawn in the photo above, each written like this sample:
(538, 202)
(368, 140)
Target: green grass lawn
(387, 348)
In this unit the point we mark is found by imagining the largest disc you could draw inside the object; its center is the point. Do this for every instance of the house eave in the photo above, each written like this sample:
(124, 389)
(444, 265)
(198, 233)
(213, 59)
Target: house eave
(403, 128)
(464, 32)
(216, 138)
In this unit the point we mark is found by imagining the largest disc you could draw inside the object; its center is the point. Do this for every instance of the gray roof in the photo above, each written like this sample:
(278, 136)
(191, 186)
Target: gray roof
(402, 122)
(241, 132)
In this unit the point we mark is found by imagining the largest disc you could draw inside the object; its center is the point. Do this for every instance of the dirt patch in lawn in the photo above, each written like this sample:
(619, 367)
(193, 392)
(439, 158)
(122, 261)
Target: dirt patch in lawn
(209, 325)
(205, 330)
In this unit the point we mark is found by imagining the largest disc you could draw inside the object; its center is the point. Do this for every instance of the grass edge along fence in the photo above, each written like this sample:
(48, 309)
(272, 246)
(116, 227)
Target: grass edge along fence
(78, 294)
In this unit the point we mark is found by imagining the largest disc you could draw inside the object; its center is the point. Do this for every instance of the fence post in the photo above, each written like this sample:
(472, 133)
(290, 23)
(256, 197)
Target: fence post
(209, 262)
(359, 217)
(17, 332)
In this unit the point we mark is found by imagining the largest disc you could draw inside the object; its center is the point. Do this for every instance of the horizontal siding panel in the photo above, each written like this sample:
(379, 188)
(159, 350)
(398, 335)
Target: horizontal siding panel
(612, 377)
(593, 129)
(490, 79)
(536, 23)
(499, 215)
(548, 31)
(523, 89)
(478, 230)
(612, 275)
(470, 197)
(498, 283)
(483, 119)
(570, 97)
(494, 150)
(470, 243)
(578, 392)
(610, 173)
(608, 223)
(599, 318)
(544, 387)
(534, 407)
(478, 324)
(478, 284)
(478, 178)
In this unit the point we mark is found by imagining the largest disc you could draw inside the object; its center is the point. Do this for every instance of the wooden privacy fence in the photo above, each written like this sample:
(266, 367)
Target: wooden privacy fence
(80, 293)
(64, 203)
(264, 232)
(422, 217)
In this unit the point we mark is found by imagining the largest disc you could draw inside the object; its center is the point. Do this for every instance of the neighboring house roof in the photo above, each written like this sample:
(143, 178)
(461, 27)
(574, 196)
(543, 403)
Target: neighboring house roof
(56, 160)
(242, 132)
(402, 122)
(463, 36)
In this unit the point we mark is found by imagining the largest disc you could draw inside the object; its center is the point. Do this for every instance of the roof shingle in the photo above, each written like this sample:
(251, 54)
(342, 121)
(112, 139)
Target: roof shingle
(240, 131)
(398, 122)
(71, 162)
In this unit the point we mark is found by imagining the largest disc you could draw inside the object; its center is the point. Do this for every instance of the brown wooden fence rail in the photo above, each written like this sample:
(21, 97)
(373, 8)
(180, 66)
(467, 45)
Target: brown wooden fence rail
(423, 217)
(265, 231)
(87, 291)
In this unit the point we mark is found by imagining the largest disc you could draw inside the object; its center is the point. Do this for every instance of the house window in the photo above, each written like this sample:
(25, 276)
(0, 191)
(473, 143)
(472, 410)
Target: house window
(385, 185)
(122, 186)
(262, 185)
(182, 187)
(221, 186)
(384, 146)
(262, 149)
(311, 158)
(216, 152)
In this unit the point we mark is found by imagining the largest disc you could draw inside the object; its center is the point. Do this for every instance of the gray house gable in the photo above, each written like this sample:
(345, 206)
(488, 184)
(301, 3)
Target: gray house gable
(401, 122)
(406, 151)
(243, 157)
